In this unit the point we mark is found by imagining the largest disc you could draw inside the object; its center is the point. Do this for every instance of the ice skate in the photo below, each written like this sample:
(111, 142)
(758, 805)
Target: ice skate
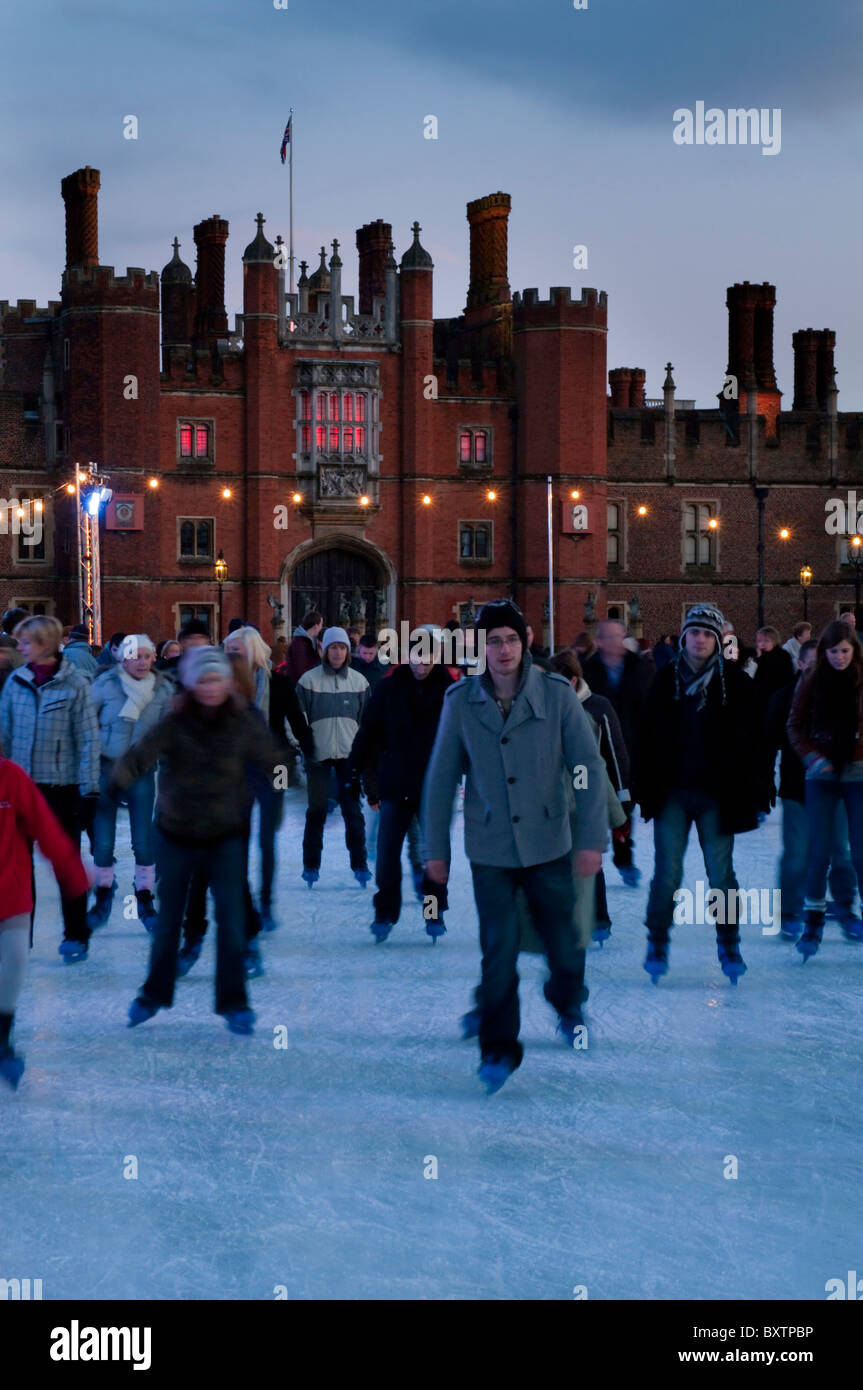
(187, 956)
(363, 877)
(241, 1021)
(252, 962)
(140, 1012)
(380, 930)
(73, 951)
(733, 964)
(435, 929)
(656, 960)
(101, 909)
(568, 1025)
(311, 877)
(147, 914)
(494, 1072)
(812, 933)
(630, 875)
(11, 1067)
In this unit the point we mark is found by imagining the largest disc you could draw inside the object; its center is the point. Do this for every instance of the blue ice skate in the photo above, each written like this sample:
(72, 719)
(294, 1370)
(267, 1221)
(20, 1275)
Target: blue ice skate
(812, 933)
(656, 960)
(435, 929)
(363, 877)
(101, 909)
(187, 956)
(790, 928)
(72, 951)
(254, 966)
(568, 1024)
(140, 1011)
(241, 1021)
(11, 1067)
(630, 875)
(733, 964)
(601, 932)
(381, 930)
(311, 877)
(494, 1072)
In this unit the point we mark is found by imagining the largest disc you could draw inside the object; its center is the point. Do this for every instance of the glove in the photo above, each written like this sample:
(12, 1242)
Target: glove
(622, 832)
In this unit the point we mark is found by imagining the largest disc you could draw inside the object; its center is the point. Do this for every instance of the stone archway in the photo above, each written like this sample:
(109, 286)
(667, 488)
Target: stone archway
(351, 581)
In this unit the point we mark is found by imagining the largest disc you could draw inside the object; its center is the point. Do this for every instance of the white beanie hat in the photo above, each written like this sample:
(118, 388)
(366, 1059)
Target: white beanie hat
(200, 661)
(335, 634)
(133, 644)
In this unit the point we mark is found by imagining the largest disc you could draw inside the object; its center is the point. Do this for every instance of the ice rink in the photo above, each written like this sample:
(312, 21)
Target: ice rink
(304, 1167)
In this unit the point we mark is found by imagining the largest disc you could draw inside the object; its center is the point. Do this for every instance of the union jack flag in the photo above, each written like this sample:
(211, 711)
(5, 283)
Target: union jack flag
(286, 139)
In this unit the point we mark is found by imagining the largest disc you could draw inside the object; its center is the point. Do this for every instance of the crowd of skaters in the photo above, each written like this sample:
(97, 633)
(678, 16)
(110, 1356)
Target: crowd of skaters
(550, 753)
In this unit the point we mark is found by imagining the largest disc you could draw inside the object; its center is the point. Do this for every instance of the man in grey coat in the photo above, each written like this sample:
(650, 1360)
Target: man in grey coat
(520, 735)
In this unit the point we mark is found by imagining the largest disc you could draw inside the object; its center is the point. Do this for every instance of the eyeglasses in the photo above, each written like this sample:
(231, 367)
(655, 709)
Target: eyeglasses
(495, 642)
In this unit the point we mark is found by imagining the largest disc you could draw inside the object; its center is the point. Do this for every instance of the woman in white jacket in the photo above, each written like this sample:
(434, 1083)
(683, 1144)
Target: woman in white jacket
(129, 700)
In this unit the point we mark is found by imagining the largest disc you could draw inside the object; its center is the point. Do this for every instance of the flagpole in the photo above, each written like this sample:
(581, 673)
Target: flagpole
(291, 199)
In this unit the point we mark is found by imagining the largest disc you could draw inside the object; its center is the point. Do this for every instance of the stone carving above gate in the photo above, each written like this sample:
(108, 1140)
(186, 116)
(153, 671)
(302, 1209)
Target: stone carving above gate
(336, 481)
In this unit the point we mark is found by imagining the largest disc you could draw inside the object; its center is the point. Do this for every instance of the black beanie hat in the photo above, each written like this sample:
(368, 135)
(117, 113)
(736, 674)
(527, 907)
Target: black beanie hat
(501, 612)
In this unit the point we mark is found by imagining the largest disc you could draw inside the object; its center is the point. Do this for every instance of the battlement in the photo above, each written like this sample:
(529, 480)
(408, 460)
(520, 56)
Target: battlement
(25, 309)
(83, 281)
(590, 310)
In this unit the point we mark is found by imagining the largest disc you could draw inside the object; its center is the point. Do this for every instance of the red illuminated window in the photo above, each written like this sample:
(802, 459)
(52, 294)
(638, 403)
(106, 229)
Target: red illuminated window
(307, 439)
(361, 439)
(320, 407)
(334, 405)
(348, 407)
(185, 441)
(334, 439)
(474, 447)
(348, 436)
(202, 441)
(479, 444)
(320, 438)
(465, 447)
(194, 440)
(361, 407)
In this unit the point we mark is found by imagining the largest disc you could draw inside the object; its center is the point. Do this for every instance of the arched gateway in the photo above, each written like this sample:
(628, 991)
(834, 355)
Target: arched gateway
(350, 581)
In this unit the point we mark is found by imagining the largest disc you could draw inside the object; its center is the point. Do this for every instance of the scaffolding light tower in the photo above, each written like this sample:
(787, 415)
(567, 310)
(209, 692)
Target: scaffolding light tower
(91, 493)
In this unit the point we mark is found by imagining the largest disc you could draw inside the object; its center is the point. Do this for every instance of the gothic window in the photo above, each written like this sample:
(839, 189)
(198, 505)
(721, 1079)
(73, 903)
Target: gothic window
(475, 540)
(340, 430)
(474, 447)
(614, 547)
(699, 540)
(196, 537)
(195, 440)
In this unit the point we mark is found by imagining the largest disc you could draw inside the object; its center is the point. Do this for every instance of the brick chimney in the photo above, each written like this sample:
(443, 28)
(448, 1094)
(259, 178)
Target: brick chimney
(81, 195)
(750, 347)
(636, 390)
(826, 348)
(805, 343)
(488, 218)
(211, 320)
(620, 381)
(373, 241)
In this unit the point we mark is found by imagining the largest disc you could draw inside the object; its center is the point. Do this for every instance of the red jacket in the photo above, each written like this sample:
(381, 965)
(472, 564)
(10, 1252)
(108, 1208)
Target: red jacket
(26, 816)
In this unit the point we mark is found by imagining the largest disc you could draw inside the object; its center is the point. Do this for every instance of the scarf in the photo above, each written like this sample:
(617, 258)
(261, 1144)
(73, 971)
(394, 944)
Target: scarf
(583, 690)
(690, 682)
(836, 709)
(138, 693)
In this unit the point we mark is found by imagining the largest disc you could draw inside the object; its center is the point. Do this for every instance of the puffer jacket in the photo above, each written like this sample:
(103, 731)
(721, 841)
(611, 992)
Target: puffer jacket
(333, 703)
(79, 653)
(206, 758)
(51, 730)
(116, 733)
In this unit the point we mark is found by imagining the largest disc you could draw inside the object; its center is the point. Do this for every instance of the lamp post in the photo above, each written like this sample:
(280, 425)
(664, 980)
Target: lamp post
(855, 558)
(805, 581)
(761, 498)
(220, 570)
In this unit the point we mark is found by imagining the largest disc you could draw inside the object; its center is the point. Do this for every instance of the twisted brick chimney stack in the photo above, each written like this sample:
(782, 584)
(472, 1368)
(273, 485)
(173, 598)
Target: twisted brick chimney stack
(488, 218)
(211, 319)
(750, 347)
(373, 241)
(81, 195)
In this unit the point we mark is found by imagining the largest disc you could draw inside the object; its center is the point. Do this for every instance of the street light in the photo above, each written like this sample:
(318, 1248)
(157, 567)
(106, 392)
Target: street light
(855, 558)
(220, 571)
(805, 581)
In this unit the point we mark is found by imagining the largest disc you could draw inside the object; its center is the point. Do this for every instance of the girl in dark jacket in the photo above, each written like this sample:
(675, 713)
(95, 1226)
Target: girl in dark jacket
(202, 806)
(825, 729)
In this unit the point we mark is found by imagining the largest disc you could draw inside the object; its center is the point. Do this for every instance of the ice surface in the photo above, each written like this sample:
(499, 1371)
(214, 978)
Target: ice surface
(304, 1167)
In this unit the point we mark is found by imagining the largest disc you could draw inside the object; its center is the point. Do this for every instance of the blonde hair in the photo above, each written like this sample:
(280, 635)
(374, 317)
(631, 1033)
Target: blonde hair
(48, 631)
(256, 650)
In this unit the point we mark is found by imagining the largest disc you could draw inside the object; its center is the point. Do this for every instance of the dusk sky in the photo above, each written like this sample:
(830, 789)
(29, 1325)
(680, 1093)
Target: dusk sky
(569, 111)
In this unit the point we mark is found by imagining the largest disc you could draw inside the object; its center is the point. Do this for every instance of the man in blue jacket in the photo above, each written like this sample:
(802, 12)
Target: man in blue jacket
(522, 738)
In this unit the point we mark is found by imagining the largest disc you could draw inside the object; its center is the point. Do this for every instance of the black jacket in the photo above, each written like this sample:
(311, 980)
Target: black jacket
(612, 744)
(629, 698)
(397, 733)
(775, 670)
(730, 749)
(374, 670)
(284, 705)
(792, 773)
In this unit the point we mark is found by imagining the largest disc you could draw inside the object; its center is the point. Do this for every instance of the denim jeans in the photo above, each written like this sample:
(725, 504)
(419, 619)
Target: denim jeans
(550, 892)
(396, 820)
(139, 797)
(671, 828)
(372, 821)
(823, 796)
(222, 863)
(795, 855)
(270, 802)
(318, 781)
